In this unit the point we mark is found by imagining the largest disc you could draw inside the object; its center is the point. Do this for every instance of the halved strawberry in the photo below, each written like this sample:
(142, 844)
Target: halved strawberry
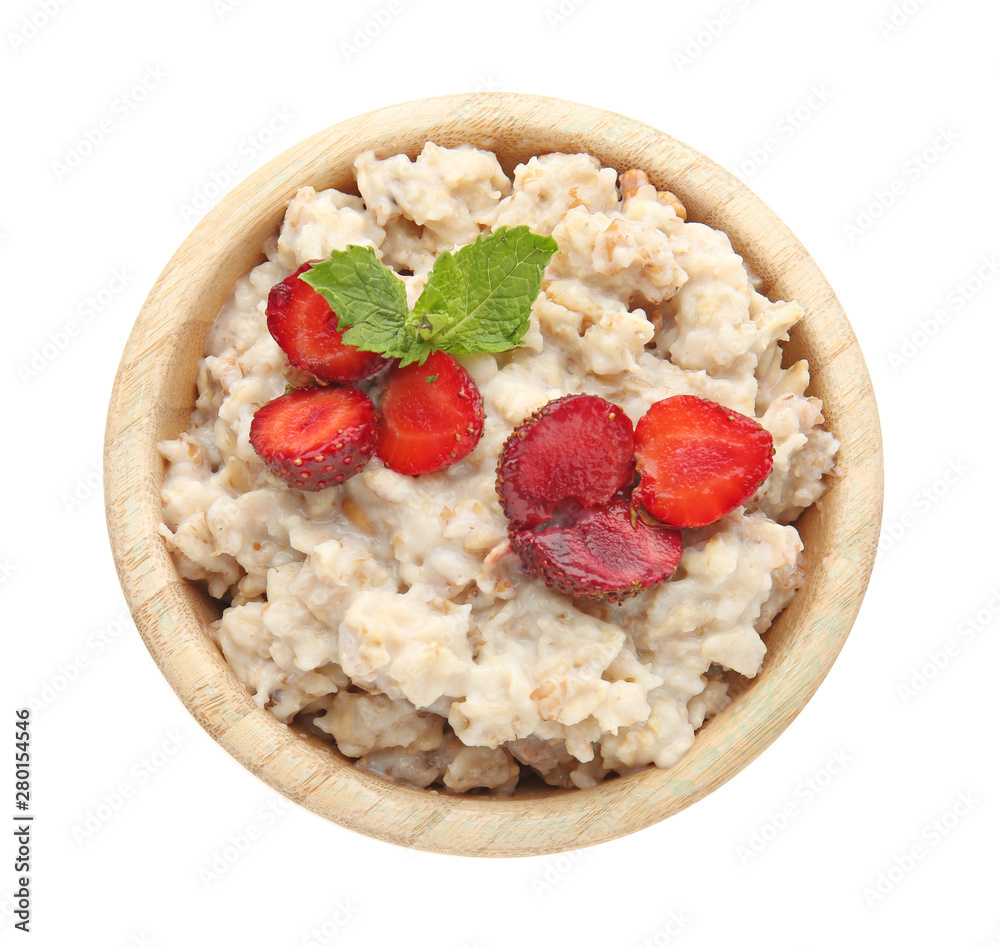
(305, 327)
(315, 437)
(698, 460)
(576, 447)
(430, 416)
(606, 553)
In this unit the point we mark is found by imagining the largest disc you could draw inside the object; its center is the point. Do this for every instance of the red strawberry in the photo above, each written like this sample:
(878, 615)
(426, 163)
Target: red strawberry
(576, 447)
(305, 327)
(315, 437)
(697, 460)
(430, 416)
(606, 553)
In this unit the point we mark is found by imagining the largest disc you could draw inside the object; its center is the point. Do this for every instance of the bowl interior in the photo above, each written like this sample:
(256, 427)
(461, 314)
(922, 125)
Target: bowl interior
(154, 394)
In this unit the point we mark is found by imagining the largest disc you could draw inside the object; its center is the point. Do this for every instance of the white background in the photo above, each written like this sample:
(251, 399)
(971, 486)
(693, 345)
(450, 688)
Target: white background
(881, 108)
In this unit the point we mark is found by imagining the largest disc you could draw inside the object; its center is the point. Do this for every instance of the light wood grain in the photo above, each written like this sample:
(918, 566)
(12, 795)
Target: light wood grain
(154, 394)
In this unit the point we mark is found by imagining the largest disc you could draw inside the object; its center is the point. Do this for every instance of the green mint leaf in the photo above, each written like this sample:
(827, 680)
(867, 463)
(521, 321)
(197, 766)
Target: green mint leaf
(428, 325)
(479, 298)
(368, 298)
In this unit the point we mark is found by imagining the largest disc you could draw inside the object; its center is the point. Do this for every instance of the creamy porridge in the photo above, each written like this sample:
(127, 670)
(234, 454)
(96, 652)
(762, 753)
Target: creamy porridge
(389, 611)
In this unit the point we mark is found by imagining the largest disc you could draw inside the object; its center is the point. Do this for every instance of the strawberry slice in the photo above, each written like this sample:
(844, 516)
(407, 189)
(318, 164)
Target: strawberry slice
(315, 437)
(430, 416)
(698, 460)
(577, 447)
(305, 327)
(604, 553)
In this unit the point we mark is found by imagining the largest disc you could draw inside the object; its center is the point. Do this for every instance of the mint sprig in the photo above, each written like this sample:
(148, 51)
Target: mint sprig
(477, 299)
(366, 296)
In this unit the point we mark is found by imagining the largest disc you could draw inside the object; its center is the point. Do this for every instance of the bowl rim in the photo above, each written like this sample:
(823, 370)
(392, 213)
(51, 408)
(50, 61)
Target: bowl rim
(168, 615)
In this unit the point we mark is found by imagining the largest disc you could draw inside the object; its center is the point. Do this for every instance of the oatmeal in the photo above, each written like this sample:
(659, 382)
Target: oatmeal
(389, 611)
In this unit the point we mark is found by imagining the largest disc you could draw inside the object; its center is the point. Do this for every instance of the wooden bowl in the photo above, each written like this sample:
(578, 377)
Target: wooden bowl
(154, 395)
